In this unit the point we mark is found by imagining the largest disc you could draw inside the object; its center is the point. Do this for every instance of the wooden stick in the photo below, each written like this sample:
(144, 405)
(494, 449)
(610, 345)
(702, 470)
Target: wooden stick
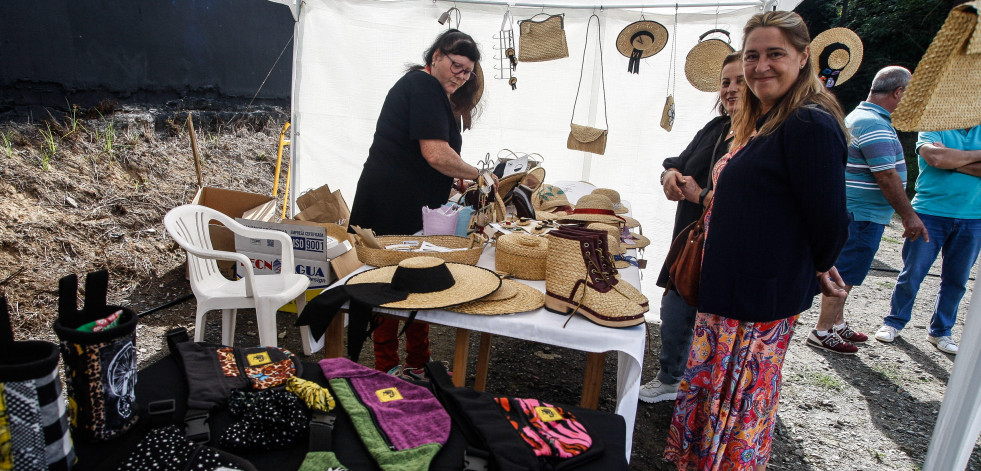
(194, 149)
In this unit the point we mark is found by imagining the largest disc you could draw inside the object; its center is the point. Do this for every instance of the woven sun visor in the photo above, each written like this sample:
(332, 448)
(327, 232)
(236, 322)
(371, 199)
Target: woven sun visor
(835, 55)
(703, 66)
(943, 93)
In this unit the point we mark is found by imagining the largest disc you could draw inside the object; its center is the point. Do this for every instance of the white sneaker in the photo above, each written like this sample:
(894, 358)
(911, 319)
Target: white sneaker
(945, 344)
(656, 391)
(886, 334)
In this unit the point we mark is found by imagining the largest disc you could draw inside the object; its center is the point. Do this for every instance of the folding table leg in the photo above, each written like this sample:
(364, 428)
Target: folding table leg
(460, 357)
(334, 337)
(592, 380)
(483, 357)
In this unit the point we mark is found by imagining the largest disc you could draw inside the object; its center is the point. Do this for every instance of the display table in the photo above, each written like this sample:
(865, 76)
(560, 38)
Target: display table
(165, 380)
(543, 327)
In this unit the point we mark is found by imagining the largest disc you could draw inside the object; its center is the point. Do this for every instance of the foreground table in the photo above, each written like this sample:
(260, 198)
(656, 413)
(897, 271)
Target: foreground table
(543, 327)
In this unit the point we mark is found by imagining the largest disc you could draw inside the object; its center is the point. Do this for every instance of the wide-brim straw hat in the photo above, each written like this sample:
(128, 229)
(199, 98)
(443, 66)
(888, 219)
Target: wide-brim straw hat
(647, 37)
(598, 208)
(836, 49)
(430, 282)
(637, 241)
(510, 298)
(614, 196)
(703, 65)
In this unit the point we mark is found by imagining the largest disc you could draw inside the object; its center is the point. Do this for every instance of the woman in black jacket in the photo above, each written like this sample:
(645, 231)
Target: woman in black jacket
(710, 143)
(775, 227)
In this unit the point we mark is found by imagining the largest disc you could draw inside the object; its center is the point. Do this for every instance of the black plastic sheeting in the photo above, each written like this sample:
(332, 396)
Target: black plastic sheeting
(59, 52)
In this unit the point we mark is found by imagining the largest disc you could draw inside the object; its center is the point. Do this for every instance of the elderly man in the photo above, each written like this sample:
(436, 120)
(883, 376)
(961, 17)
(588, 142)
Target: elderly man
(948, 200)
(875, 185)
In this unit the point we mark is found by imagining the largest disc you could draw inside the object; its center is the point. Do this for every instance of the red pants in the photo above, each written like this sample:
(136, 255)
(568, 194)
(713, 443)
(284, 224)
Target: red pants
(387, 344)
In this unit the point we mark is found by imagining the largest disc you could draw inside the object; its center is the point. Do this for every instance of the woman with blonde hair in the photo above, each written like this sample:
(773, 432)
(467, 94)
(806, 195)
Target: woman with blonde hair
(776, 223)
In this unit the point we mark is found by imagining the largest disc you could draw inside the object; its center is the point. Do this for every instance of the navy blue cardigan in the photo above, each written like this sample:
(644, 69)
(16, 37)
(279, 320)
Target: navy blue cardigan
(779, 216)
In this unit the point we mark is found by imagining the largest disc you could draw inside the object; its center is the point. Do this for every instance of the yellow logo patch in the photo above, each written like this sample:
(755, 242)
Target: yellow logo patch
(256, 359)
(548, 414)
(388, 395)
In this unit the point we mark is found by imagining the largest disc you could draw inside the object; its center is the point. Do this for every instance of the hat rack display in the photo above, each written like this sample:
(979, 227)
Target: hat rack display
(506, 54)
(703, 65)
(640, 40)
(836, 55)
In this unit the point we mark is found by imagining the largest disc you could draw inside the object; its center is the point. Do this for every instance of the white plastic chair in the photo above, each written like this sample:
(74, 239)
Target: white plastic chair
(189, 226)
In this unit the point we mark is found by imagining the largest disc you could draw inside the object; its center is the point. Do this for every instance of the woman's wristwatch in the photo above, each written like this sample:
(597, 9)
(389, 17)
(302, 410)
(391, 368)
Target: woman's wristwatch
(702, 195)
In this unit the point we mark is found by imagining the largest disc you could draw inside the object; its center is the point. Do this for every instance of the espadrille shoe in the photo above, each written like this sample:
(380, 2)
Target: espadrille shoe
(607, 266)
(574, 282)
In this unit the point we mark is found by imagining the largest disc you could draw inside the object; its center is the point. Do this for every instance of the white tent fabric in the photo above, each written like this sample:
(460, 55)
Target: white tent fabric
(959, 422)
(349, 53)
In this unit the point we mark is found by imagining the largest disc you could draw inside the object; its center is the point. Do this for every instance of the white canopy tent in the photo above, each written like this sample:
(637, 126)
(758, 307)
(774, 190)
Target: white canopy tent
(348, 54)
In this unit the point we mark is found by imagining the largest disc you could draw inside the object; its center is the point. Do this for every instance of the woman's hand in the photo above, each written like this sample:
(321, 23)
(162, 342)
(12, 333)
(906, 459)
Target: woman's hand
(690, 189)
(831, 283)
(672, 185)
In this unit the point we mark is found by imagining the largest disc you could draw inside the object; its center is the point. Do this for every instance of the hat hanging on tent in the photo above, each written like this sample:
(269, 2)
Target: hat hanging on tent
(640, 40)
(426, 282)
(703, 66)
(836, 55)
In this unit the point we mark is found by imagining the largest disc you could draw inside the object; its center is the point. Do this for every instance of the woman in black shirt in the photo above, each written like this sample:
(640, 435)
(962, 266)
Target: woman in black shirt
(413, 159)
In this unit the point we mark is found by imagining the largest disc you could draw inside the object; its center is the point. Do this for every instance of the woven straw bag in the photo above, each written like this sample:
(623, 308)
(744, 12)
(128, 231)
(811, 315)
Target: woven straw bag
(703, 65)
(384, 257)
(943, 93)
(586, 138)
(542, 40)
(522, 255)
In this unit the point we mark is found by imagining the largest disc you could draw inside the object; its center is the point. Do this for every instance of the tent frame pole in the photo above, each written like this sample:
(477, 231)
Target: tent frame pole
(758, 4)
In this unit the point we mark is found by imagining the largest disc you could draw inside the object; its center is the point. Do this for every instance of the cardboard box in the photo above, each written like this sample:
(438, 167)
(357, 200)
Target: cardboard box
(234, 204)
(319, 272)
(310, 240)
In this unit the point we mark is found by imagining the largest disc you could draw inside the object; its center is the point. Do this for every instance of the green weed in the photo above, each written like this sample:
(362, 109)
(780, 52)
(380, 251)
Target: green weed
(887, 370)
(827, 381)
(891, 240)
(48, 148)
(887, 284)
(8, 146)
(108, 138)
(73, 122)
(877, 455)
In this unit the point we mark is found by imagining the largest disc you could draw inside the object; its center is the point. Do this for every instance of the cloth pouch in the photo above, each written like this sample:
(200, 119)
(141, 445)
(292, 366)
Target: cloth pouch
(270, 419)
(100, 367)
(33, 421)
(167, 449)
(401, 424)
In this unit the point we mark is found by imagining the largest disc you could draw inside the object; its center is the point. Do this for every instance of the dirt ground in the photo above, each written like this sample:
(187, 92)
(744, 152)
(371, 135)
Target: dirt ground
(89, 191)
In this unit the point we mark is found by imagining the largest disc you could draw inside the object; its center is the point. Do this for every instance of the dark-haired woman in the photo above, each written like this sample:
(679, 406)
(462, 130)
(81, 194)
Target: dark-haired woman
(413, 159)
(776, 225)
(677, 317)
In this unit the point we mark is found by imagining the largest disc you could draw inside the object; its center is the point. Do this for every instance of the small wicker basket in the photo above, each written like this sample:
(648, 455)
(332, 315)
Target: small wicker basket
(522, 255)
(383, 257)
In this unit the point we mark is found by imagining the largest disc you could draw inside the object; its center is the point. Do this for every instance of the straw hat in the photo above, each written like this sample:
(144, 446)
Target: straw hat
(427, 282)
(598, 208)
(614, 196)
(836, 55)
(550, 202)
(703, 66)
(626, 239)
(511, 297)
(641, 39)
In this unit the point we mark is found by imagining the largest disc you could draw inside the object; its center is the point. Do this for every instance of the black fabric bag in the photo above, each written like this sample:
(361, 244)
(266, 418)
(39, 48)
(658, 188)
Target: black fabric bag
(100, 367)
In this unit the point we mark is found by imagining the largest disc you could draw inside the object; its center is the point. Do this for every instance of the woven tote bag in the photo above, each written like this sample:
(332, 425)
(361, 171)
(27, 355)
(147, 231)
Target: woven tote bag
(542, 40)
(703, 65)
(943, 93)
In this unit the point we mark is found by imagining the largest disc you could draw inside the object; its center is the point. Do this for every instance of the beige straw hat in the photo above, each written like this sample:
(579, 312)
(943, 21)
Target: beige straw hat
(640, 40)
(430, 282)
(598, 208)
(636, 241)
(512, 297)
(943, 93)
(835, 55)
(614, 196)
(703, 66)
(549, 201)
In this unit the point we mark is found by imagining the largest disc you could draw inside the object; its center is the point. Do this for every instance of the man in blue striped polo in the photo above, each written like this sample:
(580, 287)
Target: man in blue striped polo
(875, 185)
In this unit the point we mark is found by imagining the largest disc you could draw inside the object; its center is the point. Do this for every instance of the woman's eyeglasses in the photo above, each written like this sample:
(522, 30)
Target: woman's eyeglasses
(458, 68)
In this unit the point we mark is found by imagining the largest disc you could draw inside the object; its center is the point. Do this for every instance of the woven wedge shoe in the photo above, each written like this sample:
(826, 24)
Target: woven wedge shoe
(575, 282)
(607, 266)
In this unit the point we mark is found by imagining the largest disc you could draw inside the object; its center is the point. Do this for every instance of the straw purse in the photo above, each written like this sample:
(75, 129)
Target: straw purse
(703, 65)
(943, 92)
(586, 138)
(543, 40)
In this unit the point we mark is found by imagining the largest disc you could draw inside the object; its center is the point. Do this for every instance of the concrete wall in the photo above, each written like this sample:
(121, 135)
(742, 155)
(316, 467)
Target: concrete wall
(56, 52)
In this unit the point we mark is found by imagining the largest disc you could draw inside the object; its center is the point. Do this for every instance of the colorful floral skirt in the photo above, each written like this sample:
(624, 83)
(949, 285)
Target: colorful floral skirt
(728, 399)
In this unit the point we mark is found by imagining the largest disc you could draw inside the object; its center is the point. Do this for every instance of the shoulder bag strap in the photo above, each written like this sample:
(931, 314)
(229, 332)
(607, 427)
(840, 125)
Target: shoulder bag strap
(715, 152)
(581, 69)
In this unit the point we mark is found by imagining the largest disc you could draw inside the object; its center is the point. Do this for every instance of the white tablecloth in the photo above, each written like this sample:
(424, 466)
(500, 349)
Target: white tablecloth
(546, 327)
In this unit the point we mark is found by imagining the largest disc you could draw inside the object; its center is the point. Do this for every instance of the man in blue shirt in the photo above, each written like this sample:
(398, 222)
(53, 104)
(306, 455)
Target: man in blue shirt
(948, 200)
(875, 185)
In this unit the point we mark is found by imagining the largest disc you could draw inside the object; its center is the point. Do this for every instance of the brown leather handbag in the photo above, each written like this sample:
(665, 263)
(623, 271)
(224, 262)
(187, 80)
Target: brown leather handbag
(685, 260)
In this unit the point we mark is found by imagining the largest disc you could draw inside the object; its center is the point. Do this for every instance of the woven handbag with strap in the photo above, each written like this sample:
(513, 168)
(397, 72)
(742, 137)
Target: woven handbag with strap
(943, 93)
(587, 138)
(542, 40)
